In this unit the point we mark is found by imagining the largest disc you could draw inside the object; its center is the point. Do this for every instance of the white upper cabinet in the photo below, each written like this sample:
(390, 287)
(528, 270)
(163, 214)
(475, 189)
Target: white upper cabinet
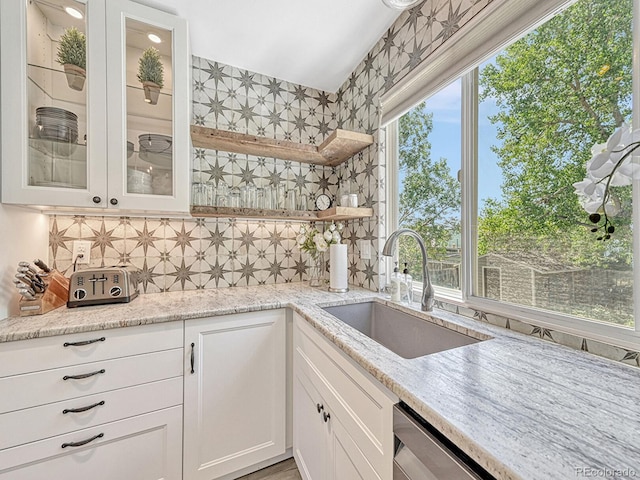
(88, 137)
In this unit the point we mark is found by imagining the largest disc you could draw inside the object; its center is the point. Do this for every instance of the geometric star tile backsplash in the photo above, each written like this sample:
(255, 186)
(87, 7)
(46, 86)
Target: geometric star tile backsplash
(196, 253)
(184, 254)
(177, 254)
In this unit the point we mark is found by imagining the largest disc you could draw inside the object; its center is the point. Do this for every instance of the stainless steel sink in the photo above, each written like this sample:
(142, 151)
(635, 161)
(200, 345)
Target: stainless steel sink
(402, 333)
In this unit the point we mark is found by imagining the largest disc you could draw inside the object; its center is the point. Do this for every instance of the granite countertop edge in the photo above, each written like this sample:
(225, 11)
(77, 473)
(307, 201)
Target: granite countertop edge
(405, 378)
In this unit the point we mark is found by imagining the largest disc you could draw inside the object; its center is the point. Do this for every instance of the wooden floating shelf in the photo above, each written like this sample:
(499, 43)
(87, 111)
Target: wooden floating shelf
(332, 214)
(336, 149)
(344, 213)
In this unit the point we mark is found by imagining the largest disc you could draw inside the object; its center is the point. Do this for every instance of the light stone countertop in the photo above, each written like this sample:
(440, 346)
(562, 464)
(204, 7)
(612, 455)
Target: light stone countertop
(521, 407)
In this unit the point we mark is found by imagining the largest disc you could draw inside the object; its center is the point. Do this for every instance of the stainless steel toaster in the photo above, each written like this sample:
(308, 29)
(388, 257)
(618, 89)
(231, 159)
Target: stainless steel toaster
(99, 286)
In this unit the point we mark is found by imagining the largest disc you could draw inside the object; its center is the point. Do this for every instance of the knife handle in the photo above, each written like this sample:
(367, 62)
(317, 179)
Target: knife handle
(28, 266)
(42, 266)
(26, 294)
(23, 277)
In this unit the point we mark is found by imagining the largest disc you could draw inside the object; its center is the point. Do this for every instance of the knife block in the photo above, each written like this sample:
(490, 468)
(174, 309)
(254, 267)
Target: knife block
(54, 296)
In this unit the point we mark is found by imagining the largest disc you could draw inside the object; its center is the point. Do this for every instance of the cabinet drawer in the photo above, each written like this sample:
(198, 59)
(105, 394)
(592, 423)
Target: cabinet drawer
(48, 386)
(50, 352)
(364, 406)
(145, 447)
(31, 424)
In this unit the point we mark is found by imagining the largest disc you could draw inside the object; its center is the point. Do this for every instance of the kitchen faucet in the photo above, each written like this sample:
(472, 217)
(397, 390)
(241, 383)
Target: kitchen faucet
(427, 288)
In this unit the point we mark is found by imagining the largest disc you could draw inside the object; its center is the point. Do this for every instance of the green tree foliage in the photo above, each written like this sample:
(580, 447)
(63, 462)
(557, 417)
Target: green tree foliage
(560, 89)
(430, 198)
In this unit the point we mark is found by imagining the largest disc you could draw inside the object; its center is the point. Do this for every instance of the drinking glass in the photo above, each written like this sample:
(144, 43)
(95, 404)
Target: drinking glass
(281, 197)
(291, 203)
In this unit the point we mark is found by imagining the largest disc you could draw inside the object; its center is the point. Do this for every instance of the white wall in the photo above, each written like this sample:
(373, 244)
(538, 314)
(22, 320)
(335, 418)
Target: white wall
(24, 235)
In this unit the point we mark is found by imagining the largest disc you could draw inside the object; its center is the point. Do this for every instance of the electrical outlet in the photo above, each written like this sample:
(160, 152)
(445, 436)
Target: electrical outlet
(81, 247)
(365, 250)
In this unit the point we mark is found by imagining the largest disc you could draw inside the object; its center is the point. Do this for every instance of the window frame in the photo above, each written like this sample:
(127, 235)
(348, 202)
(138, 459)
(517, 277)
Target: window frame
(426, 81)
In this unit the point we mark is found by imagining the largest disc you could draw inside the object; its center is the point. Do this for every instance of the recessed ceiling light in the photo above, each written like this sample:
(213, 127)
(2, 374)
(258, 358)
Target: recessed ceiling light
(73, 12)
(400, 4)
(154, 38)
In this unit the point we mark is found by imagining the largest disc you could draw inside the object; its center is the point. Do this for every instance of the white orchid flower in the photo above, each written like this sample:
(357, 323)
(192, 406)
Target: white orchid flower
(586, 187)
(598, 148)
(614, 140)
(630, 170)
(629, 137)
(328, 235)
(336, 237)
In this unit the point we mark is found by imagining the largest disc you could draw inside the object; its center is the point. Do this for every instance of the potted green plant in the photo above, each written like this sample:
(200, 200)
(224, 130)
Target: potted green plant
(72, 55)
(151, 74)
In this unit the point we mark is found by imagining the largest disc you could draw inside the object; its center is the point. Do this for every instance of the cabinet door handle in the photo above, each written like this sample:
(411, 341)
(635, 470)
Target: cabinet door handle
(193, 357)
(84, 375)
(326, 416)
(113, 201)
(82, 409)
(96, 199)
(84, 442)
(319, 407)
(84, 342)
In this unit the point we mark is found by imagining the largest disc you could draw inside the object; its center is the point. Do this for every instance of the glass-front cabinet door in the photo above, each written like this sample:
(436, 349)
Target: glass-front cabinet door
(57, 99)
(149, 122)
(51, 56)
(95, 105)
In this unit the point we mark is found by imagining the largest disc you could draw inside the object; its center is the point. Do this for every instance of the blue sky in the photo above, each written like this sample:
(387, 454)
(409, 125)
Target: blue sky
(446, 138)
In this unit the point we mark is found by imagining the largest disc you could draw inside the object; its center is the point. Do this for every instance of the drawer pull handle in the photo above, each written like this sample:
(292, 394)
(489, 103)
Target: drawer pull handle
(193, 357)
(84, 375)
(84, 342)
(326, 416)
(83, 409)
(84, 442)
(319, 407)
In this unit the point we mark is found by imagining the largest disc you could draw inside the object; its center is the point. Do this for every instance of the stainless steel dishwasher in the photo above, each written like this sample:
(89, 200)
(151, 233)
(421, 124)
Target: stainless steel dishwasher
(423, 453)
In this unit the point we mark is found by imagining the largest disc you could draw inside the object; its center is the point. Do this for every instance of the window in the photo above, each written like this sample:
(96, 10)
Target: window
(528, 118)
(429, 191)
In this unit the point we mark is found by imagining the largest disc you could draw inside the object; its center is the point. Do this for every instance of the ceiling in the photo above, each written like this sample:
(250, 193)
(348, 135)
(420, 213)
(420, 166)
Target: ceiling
(315, 43)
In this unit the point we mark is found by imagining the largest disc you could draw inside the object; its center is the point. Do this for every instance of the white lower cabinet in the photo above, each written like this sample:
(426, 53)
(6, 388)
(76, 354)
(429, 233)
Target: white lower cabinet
(323, 449)
(234, 393)
(144, 447)
(348, 460)
(310, 431)
(342, 417)
(207, 399)
(101, 405)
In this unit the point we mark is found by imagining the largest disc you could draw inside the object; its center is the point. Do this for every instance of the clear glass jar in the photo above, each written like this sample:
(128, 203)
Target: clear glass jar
(269, 197)
(251, 196)
(259, 198)
(221, 194)
(303, 202)
(233, 199)
(281, 197)
(198, 194)
(244, 196)
(291, 203)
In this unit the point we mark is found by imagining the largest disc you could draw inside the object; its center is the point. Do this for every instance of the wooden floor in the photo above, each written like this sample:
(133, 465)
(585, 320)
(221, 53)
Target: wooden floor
(286, 470)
